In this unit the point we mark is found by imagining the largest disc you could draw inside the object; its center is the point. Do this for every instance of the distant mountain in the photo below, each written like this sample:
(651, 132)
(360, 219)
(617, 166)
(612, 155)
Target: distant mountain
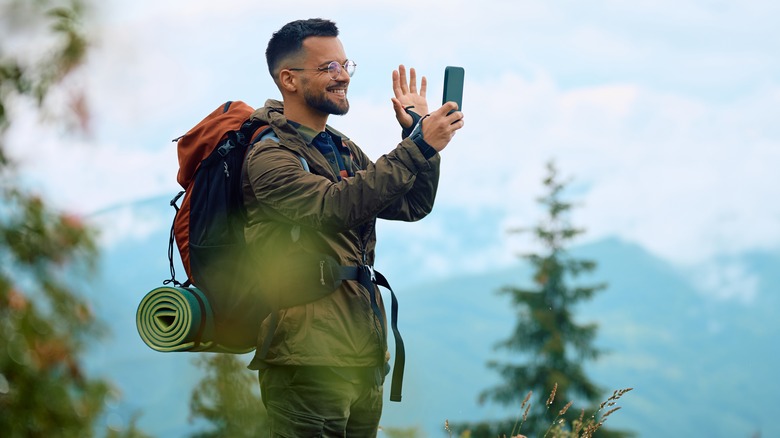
(701, 367)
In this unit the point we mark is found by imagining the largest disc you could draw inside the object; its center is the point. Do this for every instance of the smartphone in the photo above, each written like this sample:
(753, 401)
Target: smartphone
(453, 86)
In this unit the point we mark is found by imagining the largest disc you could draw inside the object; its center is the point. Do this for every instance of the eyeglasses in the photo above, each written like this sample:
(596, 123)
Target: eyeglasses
(333, 69)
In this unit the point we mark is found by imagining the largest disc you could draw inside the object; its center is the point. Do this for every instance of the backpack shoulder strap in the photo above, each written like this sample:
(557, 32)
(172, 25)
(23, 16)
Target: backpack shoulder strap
(267, 133)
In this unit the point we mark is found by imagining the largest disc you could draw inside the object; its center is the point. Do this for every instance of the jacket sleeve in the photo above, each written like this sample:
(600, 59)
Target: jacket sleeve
(418, 201)
(279, 182)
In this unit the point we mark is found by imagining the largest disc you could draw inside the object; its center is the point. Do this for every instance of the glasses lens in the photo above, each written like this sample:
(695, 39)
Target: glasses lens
(350, 67)
(334, 70)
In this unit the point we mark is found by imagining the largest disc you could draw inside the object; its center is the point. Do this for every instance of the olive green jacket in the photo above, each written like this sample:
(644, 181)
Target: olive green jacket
(293, 213)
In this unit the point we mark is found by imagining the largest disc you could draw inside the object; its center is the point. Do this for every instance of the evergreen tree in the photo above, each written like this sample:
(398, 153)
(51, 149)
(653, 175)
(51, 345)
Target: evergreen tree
(44, 325)
(550, 344)
(228, 398)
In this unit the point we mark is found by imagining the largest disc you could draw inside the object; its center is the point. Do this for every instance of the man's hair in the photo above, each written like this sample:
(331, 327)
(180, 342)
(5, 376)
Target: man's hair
(288, 40)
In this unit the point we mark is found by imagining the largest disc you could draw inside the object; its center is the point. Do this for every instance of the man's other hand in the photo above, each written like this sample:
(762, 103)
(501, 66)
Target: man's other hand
(407, 96)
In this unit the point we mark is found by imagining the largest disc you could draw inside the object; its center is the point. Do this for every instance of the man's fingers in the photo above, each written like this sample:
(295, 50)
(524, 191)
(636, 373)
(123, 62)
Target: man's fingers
(412, 81)
(397, 105)
(447, 107)
(402, 74)
(400, 113)
(396, 84)
(402, 87)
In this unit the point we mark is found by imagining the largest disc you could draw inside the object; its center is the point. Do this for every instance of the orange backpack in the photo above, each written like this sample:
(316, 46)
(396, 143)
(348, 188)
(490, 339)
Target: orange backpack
(211, 157)
(208, 227)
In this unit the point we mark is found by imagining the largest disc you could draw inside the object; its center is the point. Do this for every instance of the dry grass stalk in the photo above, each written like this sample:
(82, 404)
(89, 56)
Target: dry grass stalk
(552, 394)
(612, 400)
(519, 423)
(525, 400)
(609, 412)
(604, 418)
(593, 426)
(525, 413)
(580, 428)
(558, 421)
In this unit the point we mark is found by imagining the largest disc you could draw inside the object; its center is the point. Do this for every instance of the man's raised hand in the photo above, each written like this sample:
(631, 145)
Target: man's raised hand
(408, 97)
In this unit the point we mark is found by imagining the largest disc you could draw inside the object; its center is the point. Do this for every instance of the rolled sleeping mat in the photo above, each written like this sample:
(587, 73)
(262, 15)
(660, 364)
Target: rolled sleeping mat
(173, 319)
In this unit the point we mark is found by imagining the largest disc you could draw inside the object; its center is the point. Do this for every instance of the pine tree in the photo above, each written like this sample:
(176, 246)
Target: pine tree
(550, 344)
(45, 325)
(228, 398)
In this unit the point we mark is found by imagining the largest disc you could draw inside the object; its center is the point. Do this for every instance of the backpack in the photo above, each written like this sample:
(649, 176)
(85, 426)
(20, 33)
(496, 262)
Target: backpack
(208, 227)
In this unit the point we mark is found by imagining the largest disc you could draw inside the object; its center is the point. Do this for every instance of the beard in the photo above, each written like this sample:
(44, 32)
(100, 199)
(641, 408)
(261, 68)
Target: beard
(320, 102)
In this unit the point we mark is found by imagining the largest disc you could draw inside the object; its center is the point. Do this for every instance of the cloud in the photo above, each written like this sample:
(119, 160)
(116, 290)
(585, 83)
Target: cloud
(80, 176)
(682, 177)
(669, 144)
(693, 180)
(130, 223)
(726, 280)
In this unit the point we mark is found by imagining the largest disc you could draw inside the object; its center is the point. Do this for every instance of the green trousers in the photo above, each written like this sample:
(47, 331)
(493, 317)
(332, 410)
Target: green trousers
(330, 402)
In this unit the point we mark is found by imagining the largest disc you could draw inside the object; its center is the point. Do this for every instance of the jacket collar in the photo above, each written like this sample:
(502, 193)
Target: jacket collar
(272, 113)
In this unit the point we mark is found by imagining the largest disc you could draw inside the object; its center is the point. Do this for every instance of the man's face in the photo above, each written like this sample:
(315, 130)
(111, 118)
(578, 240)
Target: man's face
(320, 91)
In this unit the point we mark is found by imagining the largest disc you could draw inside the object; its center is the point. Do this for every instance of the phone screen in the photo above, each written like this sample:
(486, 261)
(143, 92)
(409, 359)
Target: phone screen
(453, 86)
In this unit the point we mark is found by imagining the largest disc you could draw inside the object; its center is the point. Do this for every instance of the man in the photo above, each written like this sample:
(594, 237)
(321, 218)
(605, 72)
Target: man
(308, 191)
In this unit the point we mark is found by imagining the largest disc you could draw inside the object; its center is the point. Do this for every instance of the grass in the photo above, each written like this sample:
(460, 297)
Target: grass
(582, 427)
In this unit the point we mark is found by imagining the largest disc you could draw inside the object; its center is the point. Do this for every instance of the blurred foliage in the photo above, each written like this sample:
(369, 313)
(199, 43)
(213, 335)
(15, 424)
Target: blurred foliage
(228, 398)
(551, 345)
(400, 432)
(45, 325)
(42, 42)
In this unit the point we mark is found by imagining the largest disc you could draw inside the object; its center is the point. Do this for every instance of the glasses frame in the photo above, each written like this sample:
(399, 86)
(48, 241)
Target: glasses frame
(333, 68)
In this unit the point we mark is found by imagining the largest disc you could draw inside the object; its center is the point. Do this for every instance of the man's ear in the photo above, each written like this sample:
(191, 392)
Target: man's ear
(288, 81)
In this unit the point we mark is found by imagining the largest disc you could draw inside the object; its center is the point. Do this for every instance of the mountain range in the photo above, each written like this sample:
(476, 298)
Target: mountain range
(701, 365)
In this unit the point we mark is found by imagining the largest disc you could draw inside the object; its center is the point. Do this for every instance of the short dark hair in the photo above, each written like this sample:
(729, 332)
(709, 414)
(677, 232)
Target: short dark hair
(289, 39)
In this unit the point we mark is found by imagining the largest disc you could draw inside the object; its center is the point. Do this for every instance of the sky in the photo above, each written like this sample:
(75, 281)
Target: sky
(662, 113)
